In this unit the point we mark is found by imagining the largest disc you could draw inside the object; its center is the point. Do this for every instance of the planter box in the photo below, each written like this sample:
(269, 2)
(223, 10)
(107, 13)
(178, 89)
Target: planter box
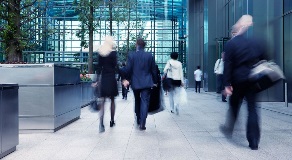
(87, 93)
(9, 133)
(49, 95)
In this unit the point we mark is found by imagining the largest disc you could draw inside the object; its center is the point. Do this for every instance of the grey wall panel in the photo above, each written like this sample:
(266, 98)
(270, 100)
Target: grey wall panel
(27, 74)
(66, 75)
(36, 101)
(62, 119)
(36, 123)
(86, 92)
(39, 74)
(67, 98)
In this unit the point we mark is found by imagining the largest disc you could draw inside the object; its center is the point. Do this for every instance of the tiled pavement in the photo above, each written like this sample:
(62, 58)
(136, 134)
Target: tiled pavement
(192, 135)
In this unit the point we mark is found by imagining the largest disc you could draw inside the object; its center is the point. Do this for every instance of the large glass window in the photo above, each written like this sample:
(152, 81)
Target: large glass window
(161, 22)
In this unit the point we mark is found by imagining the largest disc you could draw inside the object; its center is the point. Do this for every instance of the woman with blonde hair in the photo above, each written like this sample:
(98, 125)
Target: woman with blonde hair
(107, 62)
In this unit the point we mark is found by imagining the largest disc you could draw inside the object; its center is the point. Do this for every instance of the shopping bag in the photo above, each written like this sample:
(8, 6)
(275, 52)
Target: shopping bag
(182, 96)
(265, 74)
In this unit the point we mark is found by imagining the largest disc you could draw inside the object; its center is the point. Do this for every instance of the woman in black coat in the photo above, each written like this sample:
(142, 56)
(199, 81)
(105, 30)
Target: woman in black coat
(107, 61)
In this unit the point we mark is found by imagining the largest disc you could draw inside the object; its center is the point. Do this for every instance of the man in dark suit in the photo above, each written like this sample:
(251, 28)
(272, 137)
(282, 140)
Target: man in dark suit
(143, 76)
(241, 53)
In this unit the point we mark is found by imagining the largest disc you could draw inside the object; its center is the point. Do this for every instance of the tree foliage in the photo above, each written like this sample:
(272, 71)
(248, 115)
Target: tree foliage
(22, 28)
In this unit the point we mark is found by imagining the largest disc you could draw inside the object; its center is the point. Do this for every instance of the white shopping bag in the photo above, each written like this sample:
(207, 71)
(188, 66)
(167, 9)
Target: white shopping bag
(182, 98)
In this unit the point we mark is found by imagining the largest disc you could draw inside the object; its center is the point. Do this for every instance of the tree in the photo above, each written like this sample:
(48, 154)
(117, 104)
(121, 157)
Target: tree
(88, 24)
(21, 28)
(119, 11)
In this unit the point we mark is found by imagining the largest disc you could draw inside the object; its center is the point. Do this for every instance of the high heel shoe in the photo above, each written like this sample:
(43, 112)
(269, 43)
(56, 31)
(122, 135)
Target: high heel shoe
(112, 123)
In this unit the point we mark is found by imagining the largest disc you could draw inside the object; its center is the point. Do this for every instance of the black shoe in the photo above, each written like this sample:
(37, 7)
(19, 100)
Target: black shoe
(253, 147)
(112, 123)
(123, 97)
(218, 92)
(225, 131)
(224, 100)
(142, 128)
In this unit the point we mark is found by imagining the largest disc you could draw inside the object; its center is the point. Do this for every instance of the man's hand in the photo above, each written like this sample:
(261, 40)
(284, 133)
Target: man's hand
(94, 84)
(125, 83)
(228, 91)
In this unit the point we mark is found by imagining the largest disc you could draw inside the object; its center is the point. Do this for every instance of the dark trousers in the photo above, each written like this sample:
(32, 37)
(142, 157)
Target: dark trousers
(198, 86)
(239, 92)
(219, 85)
(124, 91)
(142, 98)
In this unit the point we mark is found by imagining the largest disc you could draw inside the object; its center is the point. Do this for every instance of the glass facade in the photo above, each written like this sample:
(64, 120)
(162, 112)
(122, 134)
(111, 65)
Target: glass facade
(162, 23)
(288, 46)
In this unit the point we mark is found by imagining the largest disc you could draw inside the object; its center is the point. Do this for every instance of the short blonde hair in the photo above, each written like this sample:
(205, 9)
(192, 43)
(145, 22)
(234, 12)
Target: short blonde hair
(108, 46)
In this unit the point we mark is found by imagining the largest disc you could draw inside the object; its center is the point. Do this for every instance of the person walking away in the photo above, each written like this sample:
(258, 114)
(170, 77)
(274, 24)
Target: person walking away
(198, 78)
(218, 70)
(173, 68)
(107, 61)
(121, 77)
(142, 74)
(240, 54)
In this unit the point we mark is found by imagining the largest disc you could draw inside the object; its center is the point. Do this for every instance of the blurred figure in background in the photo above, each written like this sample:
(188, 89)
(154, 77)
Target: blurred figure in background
(198, 78)
(121, 77)
(143, 76)
(107, 61)
(240, 54)
(218, 70)
(173, 68)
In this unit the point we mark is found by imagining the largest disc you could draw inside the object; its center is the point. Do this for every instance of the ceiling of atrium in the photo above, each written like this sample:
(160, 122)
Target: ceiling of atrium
(162, 9)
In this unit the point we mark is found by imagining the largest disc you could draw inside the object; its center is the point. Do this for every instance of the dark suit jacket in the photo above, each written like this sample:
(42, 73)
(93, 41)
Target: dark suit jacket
(141, 70)
(240, 55)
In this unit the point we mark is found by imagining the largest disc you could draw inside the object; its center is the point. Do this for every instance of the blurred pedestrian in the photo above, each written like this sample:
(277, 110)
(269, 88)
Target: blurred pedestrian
(143, 76)
(218, 70)
(107, 61)
(125, 89)
(173, 68)
(198, 78)
(241, 53)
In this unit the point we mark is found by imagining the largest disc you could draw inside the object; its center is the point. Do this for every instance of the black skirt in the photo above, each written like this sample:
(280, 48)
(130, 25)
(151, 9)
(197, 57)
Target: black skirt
(176, 83)
(108, 85)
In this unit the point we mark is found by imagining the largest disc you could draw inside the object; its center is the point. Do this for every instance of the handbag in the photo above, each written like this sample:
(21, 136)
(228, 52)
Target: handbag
(96, 101)
(265, 74)
(167, 82)
(95, 105)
